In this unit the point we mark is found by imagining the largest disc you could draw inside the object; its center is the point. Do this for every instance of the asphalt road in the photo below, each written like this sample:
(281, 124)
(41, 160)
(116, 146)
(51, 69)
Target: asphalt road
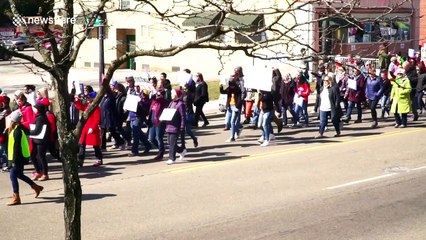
(367, 184)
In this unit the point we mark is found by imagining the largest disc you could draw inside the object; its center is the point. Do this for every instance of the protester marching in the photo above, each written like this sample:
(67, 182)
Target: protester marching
(142, 116)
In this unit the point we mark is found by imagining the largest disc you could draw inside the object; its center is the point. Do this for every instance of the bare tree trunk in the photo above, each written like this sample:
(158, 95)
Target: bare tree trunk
(68, 147)
(72, 188)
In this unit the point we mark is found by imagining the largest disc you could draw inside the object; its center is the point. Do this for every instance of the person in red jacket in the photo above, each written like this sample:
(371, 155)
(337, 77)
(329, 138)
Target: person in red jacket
(302, 92)
(26, 109)
(91, 133)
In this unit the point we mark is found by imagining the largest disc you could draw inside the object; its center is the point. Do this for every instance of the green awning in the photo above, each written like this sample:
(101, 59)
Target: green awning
(242, 21)
(201, 19)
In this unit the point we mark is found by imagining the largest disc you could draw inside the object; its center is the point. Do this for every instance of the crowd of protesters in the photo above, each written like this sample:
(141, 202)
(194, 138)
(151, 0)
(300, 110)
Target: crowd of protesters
(397, 86)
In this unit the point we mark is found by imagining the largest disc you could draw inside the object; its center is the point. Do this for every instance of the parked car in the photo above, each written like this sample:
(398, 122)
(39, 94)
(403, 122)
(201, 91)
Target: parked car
(4, 55)
(20, 43)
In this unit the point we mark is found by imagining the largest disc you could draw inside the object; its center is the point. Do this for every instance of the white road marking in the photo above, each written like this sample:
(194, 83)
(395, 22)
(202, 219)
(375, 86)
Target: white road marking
(372, 179)
(361, 181)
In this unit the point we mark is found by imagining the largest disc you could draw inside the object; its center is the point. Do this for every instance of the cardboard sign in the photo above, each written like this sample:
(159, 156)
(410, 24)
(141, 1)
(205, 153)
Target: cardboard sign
(131, 103)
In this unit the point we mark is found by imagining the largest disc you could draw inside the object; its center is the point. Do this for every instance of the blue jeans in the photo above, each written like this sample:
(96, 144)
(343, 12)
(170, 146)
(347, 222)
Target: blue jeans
(138, 136)
(302, 109)
(265, 119)
(284, 109)
(157, 134)
(255, 116)
(235, 120)
(17, 171)
(324, 115)
(351, 106)
(384, 103)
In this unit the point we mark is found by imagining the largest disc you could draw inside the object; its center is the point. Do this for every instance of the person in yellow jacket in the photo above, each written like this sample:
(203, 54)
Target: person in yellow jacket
(400, 97)
(18, 155)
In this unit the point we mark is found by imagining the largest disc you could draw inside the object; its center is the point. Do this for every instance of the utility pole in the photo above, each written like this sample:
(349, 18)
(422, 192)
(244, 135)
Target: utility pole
(102, 17)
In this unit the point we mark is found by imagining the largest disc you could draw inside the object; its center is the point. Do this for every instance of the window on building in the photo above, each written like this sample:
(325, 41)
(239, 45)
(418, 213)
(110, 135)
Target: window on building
(395, 29)
(124, 4)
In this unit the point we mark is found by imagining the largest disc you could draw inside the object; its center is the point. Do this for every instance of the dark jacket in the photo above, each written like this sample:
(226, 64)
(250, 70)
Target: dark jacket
(122, 115)
(412, 76)
(387, 87)
(201, 94)
(266, 99)
(421, 83)
(178, 121)
(374, 88)
(109, 116)
(287, 92)
(233, 89)
(40, 120)
(334, 96)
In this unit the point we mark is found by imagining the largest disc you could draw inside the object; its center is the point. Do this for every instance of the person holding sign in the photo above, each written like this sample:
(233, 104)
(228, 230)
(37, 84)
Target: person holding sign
(175, 126)
(39, 134)
(301, 99)
(355, 93)
(138, 112)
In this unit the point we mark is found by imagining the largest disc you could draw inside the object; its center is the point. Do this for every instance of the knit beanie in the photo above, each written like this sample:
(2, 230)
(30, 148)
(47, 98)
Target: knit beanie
(16, 116)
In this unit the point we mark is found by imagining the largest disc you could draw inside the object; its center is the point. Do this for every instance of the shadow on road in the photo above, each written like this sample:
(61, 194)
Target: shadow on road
(60, 200)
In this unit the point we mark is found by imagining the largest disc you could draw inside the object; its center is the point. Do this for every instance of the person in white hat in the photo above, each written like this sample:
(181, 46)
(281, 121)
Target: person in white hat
(400, 96)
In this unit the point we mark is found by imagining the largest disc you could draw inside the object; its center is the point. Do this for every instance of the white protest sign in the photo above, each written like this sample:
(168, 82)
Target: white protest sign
(183, 78)
(168, 114)
(131, 103)
(411, 53)
(260, 78)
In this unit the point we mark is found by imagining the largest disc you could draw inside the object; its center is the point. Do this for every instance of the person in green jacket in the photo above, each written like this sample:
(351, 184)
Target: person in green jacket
(18, 154)
(400, 97)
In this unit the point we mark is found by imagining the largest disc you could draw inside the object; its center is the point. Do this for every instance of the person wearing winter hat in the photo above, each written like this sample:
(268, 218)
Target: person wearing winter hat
(40, 143)
(91, 134)
(18, 155)
(175, 126)
(400, 97)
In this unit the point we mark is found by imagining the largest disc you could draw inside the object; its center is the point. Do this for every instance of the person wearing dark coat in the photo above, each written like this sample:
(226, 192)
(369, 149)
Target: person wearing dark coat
(411, 73)
(287, 91)
(122, 115)
(40, 143)
(233, 106)
(201, 98)
(420, 88)
(109, 120)
(329, 106)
